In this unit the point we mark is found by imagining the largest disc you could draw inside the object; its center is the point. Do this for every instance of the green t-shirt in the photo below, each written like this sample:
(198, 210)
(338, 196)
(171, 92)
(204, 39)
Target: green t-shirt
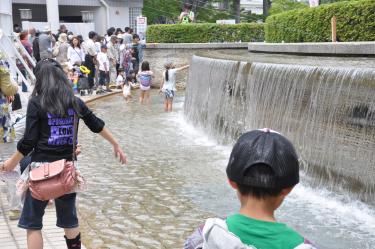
(263, 234)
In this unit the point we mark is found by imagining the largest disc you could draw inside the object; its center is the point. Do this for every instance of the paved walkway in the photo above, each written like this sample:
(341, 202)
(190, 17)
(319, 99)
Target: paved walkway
(12, 237)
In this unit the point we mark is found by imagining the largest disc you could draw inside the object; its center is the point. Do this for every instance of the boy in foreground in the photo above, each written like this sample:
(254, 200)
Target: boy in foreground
(263, 168)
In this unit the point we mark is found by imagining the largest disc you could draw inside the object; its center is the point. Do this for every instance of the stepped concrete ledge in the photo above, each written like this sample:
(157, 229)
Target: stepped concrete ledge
(319, 48)
(197, 45)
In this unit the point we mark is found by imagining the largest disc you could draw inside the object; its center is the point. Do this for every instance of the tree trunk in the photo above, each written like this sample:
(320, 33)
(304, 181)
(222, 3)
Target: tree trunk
(266, 7)
(237, 10)
(226, 4)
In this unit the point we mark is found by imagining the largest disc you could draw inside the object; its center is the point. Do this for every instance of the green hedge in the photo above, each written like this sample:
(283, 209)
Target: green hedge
(207, 32)
(355, 22)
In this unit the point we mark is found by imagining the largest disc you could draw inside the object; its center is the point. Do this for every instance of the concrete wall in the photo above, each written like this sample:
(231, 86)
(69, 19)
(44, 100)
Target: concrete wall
(323, 48)
(180, 54)
(6, 23)
(119, 15)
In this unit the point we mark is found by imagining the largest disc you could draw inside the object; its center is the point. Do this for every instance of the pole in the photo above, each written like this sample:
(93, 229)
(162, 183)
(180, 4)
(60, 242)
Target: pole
(6, 19)
(53, 15)
(333, 29)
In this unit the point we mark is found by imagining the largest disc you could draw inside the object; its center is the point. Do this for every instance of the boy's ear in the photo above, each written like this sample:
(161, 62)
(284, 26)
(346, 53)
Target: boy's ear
(286, 191)
(233, 184)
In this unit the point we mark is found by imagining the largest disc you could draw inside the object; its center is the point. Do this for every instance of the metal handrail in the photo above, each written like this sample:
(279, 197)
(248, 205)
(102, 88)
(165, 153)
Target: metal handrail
(24, 51)
(11, 51)
(12, 54)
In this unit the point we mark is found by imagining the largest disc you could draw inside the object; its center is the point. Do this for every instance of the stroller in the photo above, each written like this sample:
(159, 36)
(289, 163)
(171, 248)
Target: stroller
(83, 83)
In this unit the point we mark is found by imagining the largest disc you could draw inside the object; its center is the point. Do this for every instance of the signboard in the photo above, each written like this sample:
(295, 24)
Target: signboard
(314, 3)
(231, 21)
(142, 27)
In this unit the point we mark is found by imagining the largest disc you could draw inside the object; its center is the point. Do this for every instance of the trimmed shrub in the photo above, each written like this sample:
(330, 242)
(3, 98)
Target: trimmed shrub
(203, 33)
(355, 22)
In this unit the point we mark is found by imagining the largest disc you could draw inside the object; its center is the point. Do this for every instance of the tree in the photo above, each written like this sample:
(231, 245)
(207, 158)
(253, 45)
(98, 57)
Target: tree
(266, 7)
(161, 11)
(237, 10)
(279, 6)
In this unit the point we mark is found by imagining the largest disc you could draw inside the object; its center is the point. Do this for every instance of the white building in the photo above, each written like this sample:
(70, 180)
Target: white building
(100, 14)
(255, 6)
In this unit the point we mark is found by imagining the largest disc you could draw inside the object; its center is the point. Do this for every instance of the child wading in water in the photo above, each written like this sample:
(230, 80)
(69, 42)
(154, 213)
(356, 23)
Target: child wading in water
(120, 78)
(168, 84)
(144, 78)
(126, 88)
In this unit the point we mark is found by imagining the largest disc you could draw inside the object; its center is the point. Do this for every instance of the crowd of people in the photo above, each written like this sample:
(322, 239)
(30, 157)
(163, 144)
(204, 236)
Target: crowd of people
(103, 56)
(100, 63)
(263, 167)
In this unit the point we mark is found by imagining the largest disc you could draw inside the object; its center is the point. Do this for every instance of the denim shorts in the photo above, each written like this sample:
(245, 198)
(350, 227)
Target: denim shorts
(33, 211)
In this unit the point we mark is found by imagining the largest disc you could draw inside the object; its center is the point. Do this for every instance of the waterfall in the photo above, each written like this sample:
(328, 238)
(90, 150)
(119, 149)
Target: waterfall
(328, 113)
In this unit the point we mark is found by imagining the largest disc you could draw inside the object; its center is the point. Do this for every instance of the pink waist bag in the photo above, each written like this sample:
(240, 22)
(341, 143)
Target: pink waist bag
(52, 180)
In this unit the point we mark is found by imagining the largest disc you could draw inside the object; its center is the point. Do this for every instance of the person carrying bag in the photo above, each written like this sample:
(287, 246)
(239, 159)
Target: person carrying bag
(55, 179)
(50, 136)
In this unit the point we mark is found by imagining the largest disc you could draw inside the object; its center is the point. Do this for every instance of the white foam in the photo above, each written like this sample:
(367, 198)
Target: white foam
(325, 205)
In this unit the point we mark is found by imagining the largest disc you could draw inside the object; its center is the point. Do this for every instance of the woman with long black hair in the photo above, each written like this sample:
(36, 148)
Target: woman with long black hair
(49, 137)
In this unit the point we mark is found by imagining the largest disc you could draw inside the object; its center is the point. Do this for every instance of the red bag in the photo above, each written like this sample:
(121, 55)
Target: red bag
(52, 180)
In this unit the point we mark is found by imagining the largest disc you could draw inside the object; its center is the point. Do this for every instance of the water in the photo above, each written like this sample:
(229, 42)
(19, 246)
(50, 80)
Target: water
(328, 112)
(175, 179)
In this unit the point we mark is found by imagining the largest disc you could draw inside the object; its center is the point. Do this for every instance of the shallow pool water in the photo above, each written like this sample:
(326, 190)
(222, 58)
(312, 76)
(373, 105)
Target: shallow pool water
(175, 178)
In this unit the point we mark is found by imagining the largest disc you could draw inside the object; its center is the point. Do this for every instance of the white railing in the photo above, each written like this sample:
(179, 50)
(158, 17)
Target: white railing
(11, 53)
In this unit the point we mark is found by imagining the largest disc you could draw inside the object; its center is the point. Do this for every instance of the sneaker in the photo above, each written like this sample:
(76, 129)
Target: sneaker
(108, 90)
(14, 214)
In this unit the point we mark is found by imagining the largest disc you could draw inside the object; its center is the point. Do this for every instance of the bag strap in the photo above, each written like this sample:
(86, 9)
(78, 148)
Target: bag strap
(75, 131)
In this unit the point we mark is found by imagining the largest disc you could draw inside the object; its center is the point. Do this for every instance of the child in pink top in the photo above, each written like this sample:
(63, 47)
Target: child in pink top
(145, 80)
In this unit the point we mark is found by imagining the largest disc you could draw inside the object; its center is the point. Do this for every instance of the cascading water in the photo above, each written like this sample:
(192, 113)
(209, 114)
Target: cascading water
(328, 113)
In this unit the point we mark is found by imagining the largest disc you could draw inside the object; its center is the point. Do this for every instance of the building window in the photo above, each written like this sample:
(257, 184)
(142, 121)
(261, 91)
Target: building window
(133, 14)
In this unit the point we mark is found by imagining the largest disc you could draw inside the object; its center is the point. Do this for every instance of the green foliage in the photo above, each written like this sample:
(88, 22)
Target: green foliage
(247, 16)
(355, 22)
(279, 6)
(202, 33)
(168, 11)
(161, 11)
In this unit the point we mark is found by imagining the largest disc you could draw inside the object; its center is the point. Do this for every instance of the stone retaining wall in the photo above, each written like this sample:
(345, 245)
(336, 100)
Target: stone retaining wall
(157, 54)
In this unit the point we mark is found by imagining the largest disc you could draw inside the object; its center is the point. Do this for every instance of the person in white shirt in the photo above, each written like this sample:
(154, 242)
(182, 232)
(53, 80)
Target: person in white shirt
(127, 37)
(127, 87)
(90, 58)
(168, 84)
(113, 56)
(76, 55)
(120, 78)
(103, 68)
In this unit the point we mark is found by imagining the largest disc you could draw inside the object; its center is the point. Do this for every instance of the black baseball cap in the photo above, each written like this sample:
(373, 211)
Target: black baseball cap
(264, 147)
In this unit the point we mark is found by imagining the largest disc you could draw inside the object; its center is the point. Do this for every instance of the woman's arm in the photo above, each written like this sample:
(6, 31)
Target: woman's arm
(107, 135)
(182, 68)
(181, 16)
(12, 162)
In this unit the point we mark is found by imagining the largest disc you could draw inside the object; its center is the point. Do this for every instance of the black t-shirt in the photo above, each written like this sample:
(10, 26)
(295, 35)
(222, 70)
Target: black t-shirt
(50, 137)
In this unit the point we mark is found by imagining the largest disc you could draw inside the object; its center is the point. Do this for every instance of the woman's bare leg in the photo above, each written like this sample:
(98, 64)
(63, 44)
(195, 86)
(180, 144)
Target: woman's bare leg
(142, 97)
(148, 99)
(71, 233)
(166, 105)
(34, 239)
(170, 101)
